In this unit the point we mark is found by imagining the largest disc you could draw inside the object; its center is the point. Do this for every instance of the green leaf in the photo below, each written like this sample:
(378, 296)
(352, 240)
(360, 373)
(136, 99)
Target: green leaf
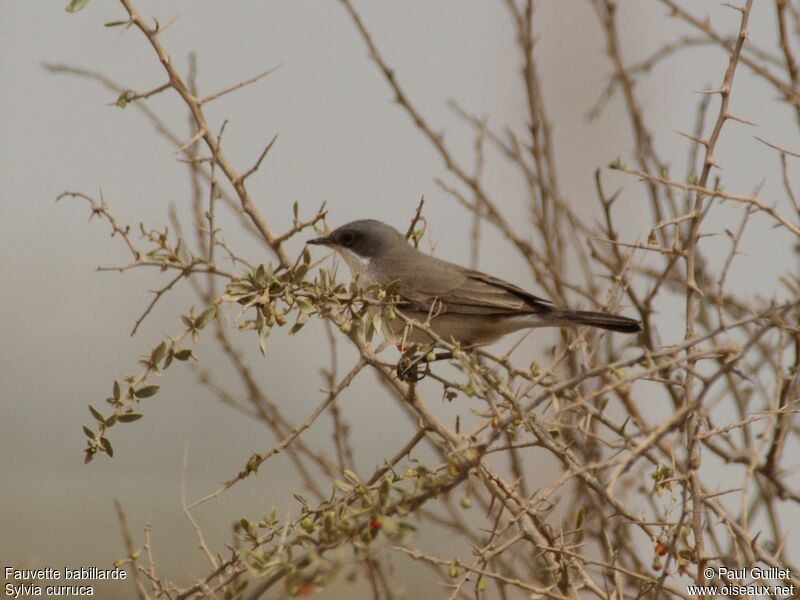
(299, 273)
(184, 354)
(205, 317)
(304, 305)
(453, 571)
(76, 5)
(391, 287)
(117, 393)
(263, 334)
(158, 353)
(96, 414)
(106, 445)
(345, 487)
(116, 23)
(370, 333)
(616, 164)
(146, 391)
(352, 476)
(129, 417)
(89, 433)
(580, 518)
(246, 525)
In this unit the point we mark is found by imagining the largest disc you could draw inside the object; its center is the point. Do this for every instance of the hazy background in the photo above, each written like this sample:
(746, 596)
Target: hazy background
(64, 328)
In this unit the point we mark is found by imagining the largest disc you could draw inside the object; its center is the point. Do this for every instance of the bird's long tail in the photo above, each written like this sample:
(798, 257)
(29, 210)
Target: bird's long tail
(596, 319)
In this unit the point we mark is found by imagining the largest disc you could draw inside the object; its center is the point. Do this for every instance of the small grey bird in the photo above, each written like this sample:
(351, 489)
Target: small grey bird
(465, 306)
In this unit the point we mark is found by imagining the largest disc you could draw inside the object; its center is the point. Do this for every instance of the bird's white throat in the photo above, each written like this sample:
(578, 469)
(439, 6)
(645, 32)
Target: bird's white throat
(359, 265)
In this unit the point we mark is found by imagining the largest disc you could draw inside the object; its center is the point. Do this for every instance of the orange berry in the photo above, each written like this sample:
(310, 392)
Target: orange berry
(305, 589)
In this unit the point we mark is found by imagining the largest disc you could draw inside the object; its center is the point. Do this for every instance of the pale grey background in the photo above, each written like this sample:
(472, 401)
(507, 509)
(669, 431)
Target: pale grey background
(65, 327)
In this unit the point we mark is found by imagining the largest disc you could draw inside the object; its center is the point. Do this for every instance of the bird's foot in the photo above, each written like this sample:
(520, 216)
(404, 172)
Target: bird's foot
(413, 367)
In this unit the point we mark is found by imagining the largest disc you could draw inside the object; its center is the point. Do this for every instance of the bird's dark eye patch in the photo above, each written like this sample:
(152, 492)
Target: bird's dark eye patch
(347, 239)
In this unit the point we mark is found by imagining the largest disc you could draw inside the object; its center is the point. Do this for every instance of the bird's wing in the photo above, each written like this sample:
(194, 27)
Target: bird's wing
(473, 293)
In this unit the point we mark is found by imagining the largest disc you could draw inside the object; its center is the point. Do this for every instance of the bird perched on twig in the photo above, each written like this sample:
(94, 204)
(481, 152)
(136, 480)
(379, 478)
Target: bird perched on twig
(460, 305)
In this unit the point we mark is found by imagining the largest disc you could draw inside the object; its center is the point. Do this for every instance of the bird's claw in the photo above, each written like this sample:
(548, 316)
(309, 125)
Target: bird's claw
(413, 368)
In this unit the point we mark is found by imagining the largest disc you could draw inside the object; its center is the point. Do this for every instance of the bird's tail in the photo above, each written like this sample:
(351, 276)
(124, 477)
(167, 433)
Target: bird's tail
(596, 319)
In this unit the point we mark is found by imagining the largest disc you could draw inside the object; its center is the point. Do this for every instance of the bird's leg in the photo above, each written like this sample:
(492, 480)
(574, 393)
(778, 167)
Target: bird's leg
(414, 367)
(409, 367)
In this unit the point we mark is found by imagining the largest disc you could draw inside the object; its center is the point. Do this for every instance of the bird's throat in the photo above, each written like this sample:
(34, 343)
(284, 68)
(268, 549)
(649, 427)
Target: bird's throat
(359, 265)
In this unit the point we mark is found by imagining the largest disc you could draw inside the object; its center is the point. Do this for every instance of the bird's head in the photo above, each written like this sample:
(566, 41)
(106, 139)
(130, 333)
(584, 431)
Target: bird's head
(364, 240)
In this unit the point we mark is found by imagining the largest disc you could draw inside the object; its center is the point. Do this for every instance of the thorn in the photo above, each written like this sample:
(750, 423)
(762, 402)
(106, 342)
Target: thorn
(195, 138)
(696, 140)
(721, 90)
(732, 117)
(734, 7)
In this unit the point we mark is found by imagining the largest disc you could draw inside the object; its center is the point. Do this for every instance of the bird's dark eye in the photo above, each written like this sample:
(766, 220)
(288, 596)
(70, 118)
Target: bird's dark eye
(347, 239)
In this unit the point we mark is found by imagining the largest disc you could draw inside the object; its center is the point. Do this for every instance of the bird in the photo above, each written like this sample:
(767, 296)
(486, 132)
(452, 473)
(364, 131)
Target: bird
(462, 306)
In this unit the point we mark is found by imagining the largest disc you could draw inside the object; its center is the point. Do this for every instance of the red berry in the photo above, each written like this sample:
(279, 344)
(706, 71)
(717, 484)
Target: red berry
(305, 589)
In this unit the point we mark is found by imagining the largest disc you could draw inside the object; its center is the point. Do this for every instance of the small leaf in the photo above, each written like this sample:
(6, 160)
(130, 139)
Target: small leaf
(158, 353)
(352, 476)
(107, 446)
(96, 414)
(299, 273)
(345, 487)
(115, 23)
(453, 571)
(184, 354)
(304, 305)
(580, 518)
(89, 433)
(129, 417)
(146, 391)
(616, 164)
(262, 339)
(117, 393)
(205, 317)
(76, 5)
(377, 322)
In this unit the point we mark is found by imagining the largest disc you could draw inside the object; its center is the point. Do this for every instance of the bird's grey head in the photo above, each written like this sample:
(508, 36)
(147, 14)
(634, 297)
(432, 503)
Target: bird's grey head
(367, 238)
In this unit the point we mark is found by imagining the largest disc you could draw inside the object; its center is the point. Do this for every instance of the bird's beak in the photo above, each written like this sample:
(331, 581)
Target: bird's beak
(320, 241)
